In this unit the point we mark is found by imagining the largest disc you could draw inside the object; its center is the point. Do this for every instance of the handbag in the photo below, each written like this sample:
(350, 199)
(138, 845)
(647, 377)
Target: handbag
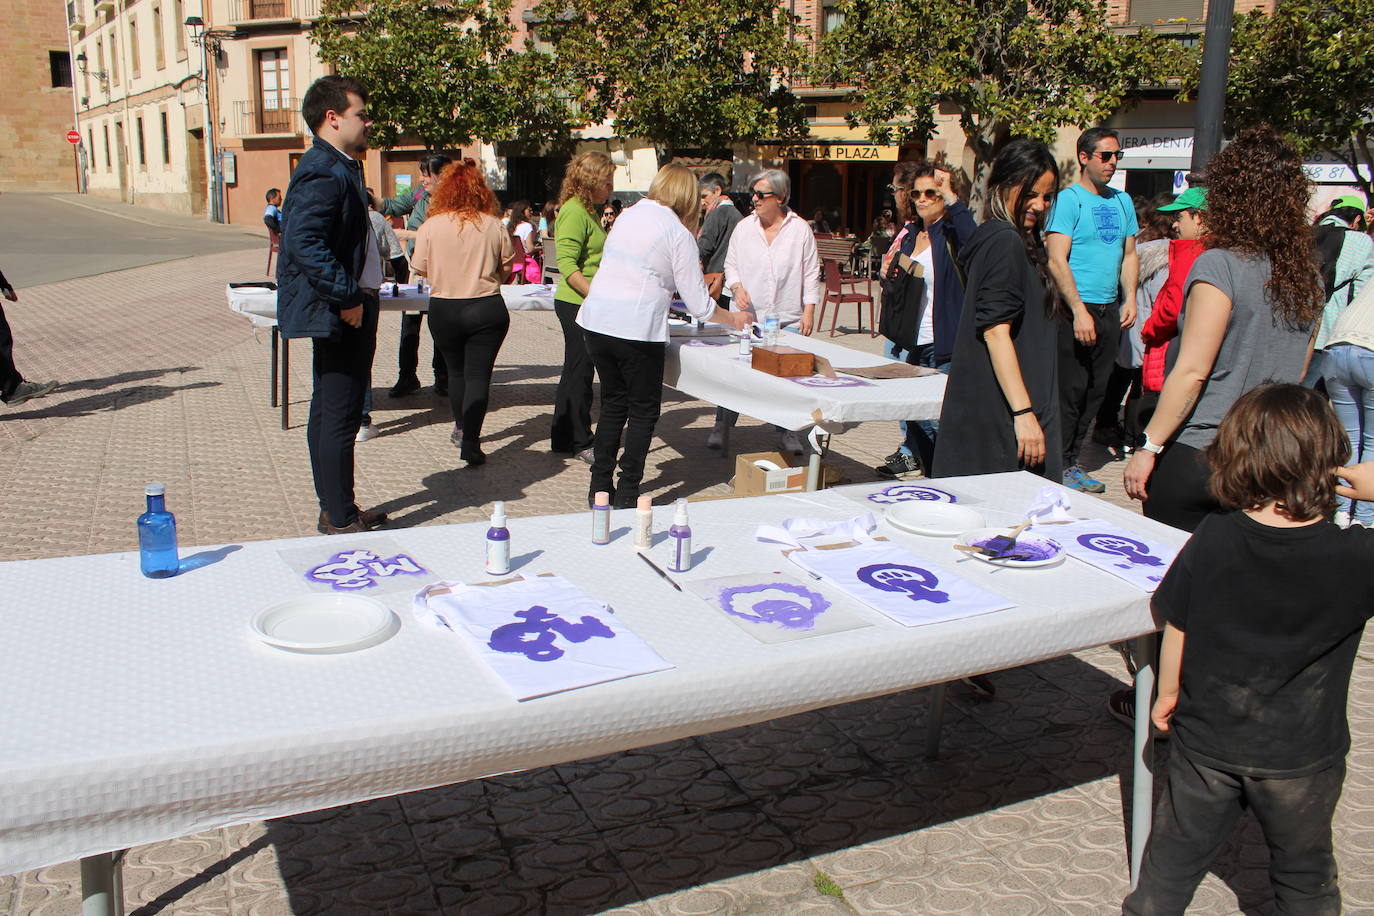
(903, 290)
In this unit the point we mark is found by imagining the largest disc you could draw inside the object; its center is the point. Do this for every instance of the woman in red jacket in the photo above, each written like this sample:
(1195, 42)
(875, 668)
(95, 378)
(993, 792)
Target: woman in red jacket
(1162, 325)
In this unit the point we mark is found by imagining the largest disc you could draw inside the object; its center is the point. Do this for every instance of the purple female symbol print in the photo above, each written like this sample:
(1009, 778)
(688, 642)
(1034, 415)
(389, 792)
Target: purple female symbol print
(535, 638)
(1132, 550)
(905, 492)
(919, 584)
(761, 604)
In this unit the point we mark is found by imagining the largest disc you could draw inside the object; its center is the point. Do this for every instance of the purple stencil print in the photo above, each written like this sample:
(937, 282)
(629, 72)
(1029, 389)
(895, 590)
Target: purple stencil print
(349, 570)
(1027, 550)
(839, 381)
(535, 637)
(905, 492)
(1132, 550)
(794, 613)
(705, 342)
(919, 584)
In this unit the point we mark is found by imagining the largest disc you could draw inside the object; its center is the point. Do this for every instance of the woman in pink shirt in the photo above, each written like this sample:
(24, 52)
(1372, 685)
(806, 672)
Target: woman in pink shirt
(772, 267)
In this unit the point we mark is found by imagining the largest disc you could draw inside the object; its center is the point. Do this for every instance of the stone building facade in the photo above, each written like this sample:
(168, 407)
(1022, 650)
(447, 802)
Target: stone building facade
(36, 106)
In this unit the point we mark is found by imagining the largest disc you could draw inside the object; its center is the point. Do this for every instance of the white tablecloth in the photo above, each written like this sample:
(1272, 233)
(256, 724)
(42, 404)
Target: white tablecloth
(718, 375)
(259, 304)
(137, 710)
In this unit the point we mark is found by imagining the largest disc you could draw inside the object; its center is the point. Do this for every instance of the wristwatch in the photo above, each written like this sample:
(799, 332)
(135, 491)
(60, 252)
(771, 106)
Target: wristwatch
(1150, 447)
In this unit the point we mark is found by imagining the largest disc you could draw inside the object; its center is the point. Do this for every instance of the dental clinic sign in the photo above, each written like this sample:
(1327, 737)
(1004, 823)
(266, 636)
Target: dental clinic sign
(834, 152)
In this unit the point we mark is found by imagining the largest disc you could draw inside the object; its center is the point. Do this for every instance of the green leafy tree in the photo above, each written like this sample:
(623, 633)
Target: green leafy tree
(1009, 67)
(444, 71)
(683, 73)
(1309, 70)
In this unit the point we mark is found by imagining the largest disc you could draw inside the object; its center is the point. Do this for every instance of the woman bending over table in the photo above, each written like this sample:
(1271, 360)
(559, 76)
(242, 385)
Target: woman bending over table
(650, 252)
(771, 268)
(1001, 408)
(1252, 300)
(465, 254)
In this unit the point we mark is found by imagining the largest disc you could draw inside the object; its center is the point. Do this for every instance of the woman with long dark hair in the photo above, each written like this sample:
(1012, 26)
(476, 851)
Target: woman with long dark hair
(465, 253)
(1001, 407)
(1252, 299)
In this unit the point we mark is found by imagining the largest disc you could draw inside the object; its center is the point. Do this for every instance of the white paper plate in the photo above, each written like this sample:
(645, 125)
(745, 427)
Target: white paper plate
(325, 623)
(932, 518)
(1031, 541)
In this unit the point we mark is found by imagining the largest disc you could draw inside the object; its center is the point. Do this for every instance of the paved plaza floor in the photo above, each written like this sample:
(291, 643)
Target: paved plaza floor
(834, 811)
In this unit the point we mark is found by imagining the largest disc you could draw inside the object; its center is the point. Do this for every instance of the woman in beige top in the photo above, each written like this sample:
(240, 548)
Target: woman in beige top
(465, 254)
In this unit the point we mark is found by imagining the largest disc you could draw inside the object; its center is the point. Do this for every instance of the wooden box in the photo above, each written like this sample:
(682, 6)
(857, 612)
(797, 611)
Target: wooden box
(785, 362)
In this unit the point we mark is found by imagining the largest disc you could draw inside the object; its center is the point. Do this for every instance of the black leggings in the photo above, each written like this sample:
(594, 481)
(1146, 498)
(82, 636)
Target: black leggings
(469, 332)
(572, 403)
(1177, 489)
(631, 373)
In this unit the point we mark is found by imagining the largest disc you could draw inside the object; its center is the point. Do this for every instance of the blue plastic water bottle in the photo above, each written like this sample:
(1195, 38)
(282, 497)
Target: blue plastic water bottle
(157, 536)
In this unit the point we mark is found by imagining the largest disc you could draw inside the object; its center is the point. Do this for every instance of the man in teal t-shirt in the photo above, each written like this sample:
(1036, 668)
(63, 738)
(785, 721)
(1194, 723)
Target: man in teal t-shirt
(1090, 237)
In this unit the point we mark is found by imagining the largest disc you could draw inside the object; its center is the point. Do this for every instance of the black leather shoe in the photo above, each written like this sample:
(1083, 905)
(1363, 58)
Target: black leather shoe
(472, 454)
(367, 520)
(404, 388)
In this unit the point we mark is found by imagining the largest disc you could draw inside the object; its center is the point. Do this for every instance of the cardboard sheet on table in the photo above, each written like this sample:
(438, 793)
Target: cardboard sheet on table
(889, 370)
(775, 606)
(1112, 549)
(371, 566)
(539, 636)
(898, 584)
(902, 491)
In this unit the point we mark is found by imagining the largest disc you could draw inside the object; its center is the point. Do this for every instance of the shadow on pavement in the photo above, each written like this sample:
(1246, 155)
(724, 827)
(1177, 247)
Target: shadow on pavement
(117, 399)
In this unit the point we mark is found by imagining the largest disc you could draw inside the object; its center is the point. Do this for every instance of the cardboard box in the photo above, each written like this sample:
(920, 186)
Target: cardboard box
(752, 480)
(784, 362)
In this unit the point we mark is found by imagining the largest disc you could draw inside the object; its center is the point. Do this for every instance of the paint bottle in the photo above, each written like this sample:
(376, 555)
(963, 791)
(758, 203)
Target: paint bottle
(746, 340)
(498, 542)
(680, 536)
(601, 518)
(644, 523)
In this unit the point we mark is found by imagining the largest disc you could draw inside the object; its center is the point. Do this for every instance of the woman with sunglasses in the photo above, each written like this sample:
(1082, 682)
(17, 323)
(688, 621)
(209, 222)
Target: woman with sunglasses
(1001, 407)
(772, 268)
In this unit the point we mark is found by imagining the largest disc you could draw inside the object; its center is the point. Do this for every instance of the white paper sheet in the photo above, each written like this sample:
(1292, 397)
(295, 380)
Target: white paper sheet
(775, 606)
(369, 566)
(540, 635)
(1110, 548)
(898, 584)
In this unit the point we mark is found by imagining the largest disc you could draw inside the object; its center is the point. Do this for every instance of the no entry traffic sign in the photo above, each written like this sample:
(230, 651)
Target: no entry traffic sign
(73, 137)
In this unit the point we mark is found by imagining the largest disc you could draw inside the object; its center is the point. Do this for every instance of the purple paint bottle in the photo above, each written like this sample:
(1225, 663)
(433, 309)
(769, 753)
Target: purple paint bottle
(601, 518)
(680, 537)
(498, 542)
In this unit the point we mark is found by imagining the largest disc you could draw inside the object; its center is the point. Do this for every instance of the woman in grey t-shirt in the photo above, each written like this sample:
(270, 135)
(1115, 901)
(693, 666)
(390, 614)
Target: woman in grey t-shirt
(1252, 301)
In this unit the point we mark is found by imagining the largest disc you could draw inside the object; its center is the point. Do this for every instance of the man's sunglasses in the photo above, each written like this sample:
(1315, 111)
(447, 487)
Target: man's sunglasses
(760, 195)
(1107, 155)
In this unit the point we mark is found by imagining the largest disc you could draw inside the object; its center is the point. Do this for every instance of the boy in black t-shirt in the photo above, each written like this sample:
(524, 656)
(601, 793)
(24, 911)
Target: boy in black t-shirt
(1270, 601)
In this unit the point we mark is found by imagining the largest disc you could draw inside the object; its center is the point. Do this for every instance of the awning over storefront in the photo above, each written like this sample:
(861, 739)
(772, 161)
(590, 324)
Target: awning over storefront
(1171, 149)
(832, 152)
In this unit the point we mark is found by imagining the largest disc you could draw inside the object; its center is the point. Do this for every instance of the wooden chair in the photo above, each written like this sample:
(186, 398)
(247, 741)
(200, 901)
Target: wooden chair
(518, 266)
(273, 246)
(835, 294)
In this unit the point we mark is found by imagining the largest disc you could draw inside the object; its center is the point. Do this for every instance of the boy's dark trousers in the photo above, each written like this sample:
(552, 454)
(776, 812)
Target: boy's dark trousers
(1083, 374)
(1196, 815)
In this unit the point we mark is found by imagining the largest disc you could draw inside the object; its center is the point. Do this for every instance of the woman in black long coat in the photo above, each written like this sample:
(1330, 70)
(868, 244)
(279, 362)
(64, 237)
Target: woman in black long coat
(1001, 409)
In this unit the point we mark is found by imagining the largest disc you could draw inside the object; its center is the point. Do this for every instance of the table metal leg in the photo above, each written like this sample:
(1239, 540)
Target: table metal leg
(276, 342)
(285, 383)
(1142, 798)
(725, 441)
(820, 442)
(937, 720)
(102, 885)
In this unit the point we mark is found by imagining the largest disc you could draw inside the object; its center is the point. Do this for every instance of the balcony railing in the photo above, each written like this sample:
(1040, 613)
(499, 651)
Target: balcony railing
(252, 117)
(245, 11)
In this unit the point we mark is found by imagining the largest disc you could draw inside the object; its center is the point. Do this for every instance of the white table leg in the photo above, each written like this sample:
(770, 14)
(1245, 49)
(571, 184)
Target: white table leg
(102, 885)
(820, 442)
(1142, 798)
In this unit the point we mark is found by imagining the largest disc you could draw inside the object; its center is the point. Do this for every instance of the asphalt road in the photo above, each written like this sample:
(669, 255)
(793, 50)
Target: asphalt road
(45, 238)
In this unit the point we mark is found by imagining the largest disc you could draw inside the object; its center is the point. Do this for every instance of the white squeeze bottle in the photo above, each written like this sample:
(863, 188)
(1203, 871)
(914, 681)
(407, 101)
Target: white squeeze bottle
(498, 542)
(680, 538)
(644, 523)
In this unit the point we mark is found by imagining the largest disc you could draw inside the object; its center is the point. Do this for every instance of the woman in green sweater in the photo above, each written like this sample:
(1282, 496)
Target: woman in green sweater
(578, 238)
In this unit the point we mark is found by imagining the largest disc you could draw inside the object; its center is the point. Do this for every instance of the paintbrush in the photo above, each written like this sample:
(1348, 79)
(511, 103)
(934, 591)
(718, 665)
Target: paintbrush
(656, 568)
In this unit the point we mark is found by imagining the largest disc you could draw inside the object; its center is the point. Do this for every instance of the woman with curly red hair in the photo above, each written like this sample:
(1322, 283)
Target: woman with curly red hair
(465, 254)
(1252, 298)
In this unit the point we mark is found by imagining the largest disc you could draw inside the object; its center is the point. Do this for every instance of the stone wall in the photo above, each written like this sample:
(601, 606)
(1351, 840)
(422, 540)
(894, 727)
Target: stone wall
(34, 116)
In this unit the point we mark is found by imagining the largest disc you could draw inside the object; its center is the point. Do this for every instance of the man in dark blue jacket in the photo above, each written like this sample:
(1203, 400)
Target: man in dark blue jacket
(327, 281)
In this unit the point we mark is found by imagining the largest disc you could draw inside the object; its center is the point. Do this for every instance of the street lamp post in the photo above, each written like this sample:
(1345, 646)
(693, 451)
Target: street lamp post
(200, 36)
(1211, 93)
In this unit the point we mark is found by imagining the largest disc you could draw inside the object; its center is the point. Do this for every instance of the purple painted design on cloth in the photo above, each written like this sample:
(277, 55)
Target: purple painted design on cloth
(785, 612)
(705, 343)
(840, 381)
(1027, 551)
(919, 584)
(535, 637)
(906, 492)
(1135, 552)
(349, 570)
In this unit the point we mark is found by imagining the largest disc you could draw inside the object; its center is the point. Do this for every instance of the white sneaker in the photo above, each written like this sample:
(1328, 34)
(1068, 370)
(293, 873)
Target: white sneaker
(792, 442)
(717, 438)
(370, 431)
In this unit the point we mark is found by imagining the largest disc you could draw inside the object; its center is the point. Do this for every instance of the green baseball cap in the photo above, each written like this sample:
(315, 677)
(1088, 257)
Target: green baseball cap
(1191, 199)
(1347, 200)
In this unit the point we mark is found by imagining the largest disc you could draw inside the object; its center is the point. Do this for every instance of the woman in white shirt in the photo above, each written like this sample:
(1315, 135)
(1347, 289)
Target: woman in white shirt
(772, 267)
(650, 253)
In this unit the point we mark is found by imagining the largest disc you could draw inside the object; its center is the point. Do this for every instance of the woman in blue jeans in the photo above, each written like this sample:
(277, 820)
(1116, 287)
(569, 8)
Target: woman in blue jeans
(1348, 368)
